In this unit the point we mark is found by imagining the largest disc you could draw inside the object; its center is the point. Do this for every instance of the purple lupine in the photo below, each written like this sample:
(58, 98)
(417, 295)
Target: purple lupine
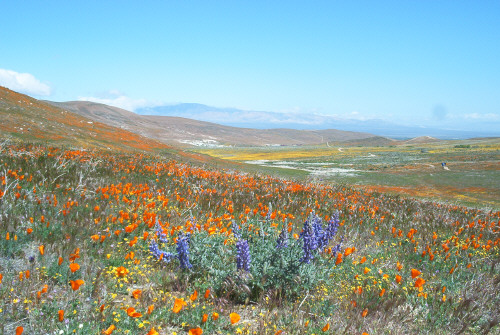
(154, 248)
(183, 250)
(282, 241)
(319, 233)
(236, 230)
(333, 225)
(330, 231)
(157, 253)
(242, 255)
(309, 242)
(162, 237)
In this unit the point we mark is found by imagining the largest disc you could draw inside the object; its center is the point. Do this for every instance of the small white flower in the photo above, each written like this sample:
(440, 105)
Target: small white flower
(80, 325)
(61, 331)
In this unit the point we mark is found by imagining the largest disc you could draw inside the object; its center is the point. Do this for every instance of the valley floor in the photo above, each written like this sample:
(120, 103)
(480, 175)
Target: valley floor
(470, 175)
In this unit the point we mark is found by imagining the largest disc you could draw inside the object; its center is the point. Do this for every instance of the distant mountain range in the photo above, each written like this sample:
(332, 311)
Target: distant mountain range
(267, 120)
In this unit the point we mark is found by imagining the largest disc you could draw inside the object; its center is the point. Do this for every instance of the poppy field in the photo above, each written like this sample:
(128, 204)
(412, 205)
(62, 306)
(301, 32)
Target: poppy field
(107, 242)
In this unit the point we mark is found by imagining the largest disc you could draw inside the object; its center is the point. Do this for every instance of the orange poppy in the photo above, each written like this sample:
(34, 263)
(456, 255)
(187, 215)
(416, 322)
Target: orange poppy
(74, 267)
(399, 266)
(19, 330)
(121, 271)
(109, 330)
(152, 332)
(326, 327)
(178, 304)
(382, 292)
(215, 316)
(415, 273)
(132, 313)
(234, 317)
(348, 251)
(1, 277)
(419, 282)
(195, 331)
(74, 255)
(41, 249)
(207, 294)
(137, 294)
(151, 308)
(362, 260)
(204, 318)
(61, 315)
(60, 261)
(365, 312)
(194, 296)
(398, 279)
(366, 270)
(75, 284)
(339, 259)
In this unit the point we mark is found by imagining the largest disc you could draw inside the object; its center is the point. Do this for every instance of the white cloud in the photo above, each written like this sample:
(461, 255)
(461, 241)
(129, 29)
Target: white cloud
(117, 99)
(23, 82)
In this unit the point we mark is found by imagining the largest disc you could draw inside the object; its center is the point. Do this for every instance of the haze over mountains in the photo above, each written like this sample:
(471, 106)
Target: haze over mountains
(310, 121)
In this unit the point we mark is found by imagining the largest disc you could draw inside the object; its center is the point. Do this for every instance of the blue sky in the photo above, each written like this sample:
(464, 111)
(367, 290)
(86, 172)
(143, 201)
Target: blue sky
(421, 62)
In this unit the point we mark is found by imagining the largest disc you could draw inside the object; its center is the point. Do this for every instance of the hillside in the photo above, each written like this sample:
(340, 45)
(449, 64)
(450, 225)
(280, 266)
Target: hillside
(29, 119)
(422, 139)
(178, 130)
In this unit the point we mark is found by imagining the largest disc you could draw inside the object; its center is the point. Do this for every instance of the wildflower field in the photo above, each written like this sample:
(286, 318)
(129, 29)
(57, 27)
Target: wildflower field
(103, 242)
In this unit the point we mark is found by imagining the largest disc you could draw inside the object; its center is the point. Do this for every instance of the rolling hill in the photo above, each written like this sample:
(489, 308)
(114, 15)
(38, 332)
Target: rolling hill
(28, 119)
(178, 130)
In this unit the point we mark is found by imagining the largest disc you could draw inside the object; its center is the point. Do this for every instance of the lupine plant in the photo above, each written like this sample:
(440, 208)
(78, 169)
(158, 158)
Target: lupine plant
(280, 261)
